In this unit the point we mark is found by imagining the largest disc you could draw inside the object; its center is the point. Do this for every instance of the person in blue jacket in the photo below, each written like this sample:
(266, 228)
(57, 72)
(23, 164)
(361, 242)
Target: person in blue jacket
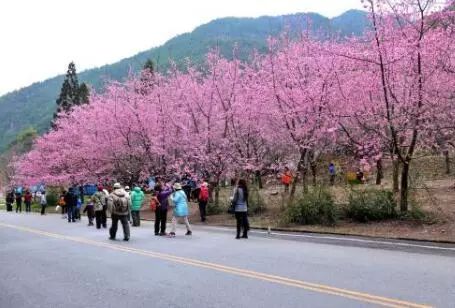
(180, 204)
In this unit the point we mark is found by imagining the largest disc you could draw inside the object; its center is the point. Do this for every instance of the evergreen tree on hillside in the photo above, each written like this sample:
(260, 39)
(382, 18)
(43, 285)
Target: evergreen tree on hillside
(84, 94)
(149, 66)
(71, 93)
(147, 76)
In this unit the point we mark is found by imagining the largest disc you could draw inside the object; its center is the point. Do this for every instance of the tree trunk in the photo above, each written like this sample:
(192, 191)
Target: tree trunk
(217, 194)
(404, 189)
(300, 171)
(379, 172)
(259, 179)
(395, 175)
(304, 179)
(447, 161)
(313, 167)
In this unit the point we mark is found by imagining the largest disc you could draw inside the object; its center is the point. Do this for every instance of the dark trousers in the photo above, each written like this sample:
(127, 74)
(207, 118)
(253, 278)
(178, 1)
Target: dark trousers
(124, 221)
(242, 223)
(332, 179)
(160, 220)
(9, 207)
(71, 213)
(43, 209)
(19, 206)
(100, 218)
(202, 209)
(63, 209)
(28, 206)
(136, 215)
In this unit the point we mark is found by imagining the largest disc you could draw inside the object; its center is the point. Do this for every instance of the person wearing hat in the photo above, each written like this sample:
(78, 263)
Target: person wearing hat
(180, 202)
(119, 206)
(203, 198)
(100, 201)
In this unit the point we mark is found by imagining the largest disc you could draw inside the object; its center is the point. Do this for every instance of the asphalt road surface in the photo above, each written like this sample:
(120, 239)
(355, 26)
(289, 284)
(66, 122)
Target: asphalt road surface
(47, 262)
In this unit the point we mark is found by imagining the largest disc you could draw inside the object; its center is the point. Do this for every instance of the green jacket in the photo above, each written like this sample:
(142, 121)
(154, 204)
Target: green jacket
(137, 197)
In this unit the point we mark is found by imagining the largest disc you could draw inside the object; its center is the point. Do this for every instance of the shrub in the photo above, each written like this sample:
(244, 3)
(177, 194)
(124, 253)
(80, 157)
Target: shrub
(52, 198)
(371, 205)
(214, 209)
(256, 204)
(314, 207)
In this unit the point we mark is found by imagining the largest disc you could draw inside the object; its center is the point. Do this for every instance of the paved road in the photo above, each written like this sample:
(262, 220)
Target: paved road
(46, 262)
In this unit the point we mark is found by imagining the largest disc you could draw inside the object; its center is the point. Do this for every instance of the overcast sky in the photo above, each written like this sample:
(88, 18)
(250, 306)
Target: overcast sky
(38, 38)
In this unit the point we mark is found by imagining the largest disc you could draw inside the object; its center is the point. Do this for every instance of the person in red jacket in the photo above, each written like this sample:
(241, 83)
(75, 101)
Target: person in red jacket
(203, 199)
(28, 201)
(286, 178)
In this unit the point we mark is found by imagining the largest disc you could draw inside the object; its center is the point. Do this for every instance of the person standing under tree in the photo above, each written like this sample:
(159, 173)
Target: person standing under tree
(137, 198)
(43, 202)
(286, 178)
(162, 194)
(71, 203)
(119, 206)
(18, 201)
(28, 201)
(203, 198)
(332, 173)
(240, 202)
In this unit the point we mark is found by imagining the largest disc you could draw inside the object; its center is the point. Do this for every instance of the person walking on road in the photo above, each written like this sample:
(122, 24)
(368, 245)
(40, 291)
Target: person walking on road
(203, 198)
(180, 209)
(162, 194)
(89, 209)
(71, 204)
(100, 203)
(240, 201)
(43, 202)
(28, 201)
(137, 198)
(119, 206)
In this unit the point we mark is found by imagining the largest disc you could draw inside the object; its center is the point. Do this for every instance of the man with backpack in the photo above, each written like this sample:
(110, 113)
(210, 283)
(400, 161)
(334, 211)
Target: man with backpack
(119, 206)
(203, 198)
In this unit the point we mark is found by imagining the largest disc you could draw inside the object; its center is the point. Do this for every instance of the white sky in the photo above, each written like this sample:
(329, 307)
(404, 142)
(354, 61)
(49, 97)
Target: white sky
(38, 38)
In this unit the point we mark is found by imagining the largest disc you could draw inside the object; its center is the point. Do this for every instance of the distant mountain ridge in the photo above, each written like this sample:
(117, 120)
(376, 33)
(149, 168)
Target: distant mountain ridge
(34, 105)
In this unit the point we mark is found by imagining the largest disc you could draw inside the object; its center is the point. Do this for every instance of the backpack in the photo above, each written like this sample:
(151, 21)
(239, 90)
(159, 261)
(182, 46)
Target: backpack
(61, 201)
(121, 205)
(204, 194)
(154, 203)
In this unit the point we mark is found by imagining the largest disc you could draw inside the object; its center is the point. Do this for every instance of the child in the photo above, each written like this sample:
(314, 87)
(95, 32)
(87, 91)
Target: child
(90, 209)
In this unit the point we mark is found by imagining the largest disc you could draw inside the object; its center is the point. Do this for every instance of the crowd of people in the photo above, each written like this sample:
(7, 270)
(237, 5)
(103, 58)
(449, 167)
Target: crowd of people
(19, 197)
(124, 205)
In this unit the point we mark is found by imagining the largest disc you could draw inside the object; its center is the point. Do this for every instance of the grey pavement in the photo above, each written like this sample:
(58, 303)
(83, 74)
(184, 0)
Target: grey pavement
(73, 265)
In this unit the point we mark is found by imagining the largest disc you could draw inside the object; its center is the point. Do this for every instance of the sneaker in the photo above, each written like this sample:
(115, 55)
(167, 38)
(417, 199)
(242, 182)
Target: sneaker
(244, 236)
(112, 238)
(163, 234)
(156, 234)
(172, 234)
(126, 239)
(188, 233)
(237, 237)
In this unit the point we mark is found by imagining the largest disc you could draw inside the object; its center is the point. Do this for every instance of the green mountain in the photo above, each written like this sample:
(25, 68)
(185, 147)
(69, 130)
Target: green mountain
(33, 106)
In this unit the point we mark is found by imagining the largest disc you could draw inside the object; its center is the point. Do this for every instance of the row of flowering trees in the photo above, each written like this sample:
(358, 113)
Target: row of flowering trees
(387, 94)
